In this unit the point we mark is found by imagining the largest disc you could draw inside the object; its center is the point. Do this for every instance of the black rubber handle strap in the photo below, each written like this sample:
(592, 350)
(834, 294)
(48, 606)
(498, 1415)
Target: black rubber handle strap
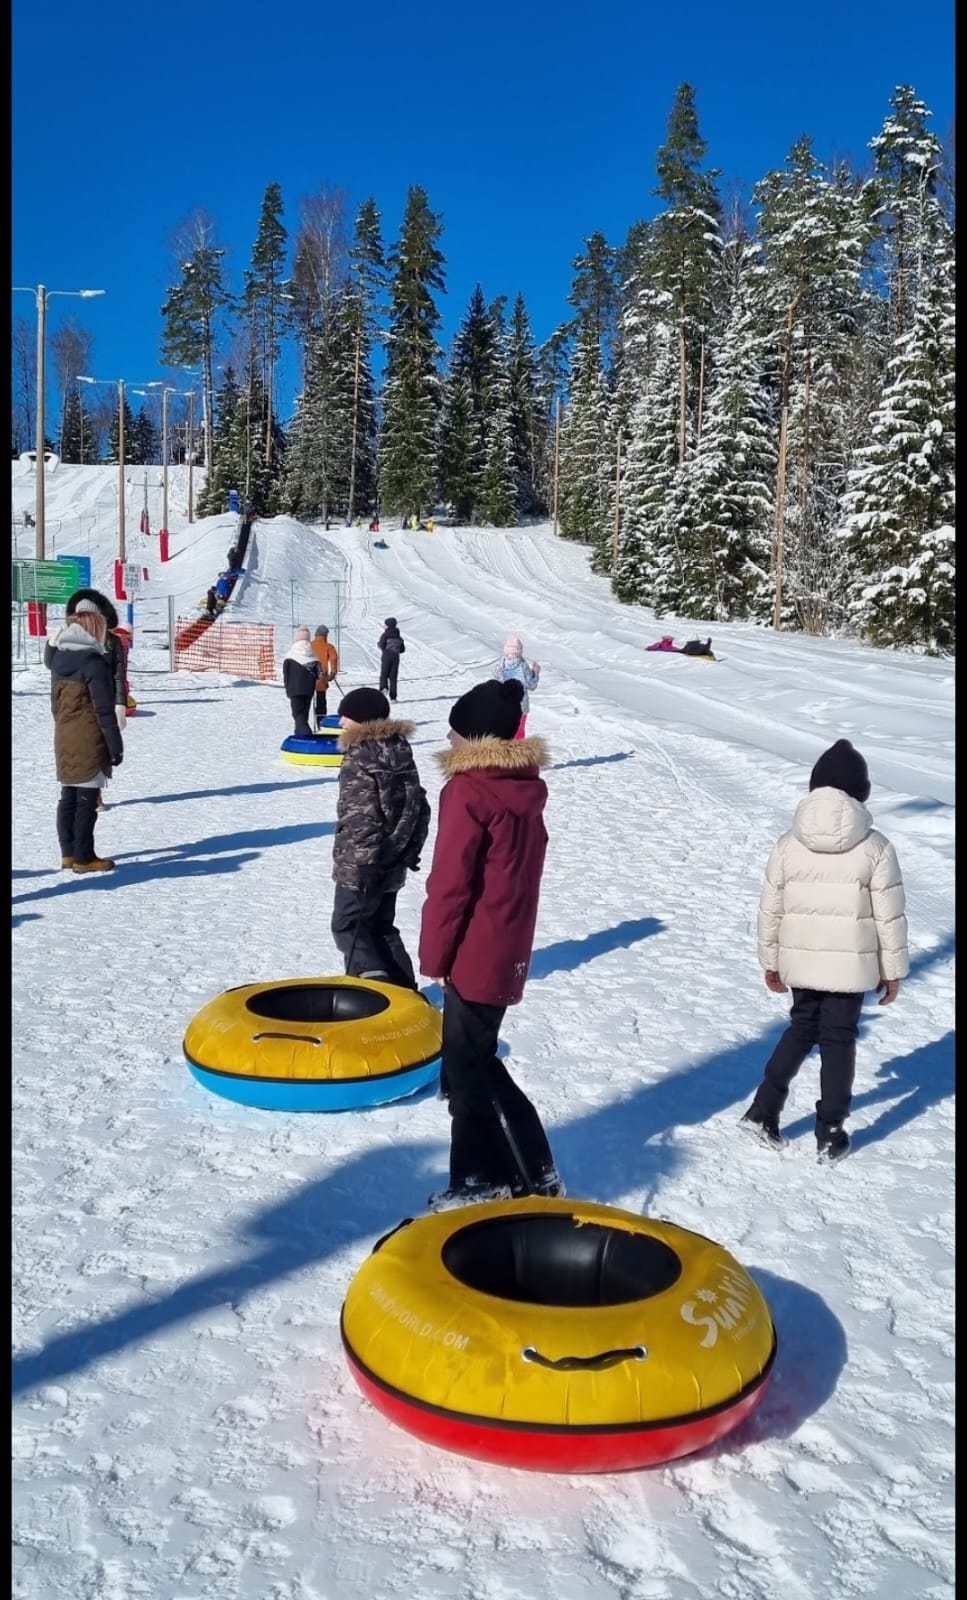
(607, 1358)
(302, 1038)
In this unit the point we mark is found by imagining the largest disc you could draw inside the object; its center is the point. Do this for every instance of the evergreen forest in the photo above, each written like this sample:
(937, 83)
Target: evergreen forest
(746, 411)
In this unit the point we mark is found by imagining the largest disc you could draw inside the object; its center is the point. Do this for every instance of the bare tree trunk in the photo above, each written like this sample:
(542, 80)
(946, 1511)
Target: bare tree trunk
(701, 392)
(780, 517)
(617, 505)
(352, 458)
(682, 390)
(557, 453)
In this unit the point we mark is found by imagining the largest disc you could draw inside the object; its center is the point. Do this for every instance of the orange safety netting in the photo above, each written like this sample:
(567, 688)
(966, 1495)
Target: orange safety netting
(244, 649)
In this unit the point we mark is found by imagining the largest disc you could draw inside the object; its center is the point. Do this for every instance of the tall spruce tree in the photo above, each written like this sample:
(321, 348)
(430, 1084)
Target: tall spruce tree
(528, 415)
(594, 295)
(362, 309)
(810, 250)
(80, 436)
(899, 502)
(193, 308)
(471, 372)
(499, 503)
(720, 502)
(585, 481)
(264, 306)
(903, 194)
(411, 397)
(685, 251)
(647, 563)
(227, 469)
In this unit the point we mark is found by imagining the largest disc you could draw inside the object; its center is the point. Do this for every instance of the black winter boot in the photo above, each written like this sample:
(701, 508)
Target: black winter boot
(765, 1129)
(832, 1143)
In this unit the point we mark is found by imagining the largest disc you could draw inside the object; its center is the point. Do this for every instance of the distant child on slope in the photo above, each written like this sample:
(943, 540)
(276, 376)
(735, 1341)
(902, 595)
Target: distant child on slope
(831, 927)
(513, 668)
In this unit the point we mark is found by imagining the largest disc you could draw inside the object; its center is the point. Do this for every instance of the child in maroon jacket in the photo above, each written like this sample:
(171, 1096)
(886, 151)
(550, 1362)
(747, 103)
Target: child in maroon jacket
(477, 936)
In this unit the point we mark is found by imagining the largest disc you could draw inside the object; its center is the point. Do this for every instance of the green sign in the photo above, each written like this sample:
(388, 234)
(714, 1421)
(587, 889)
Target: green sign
(49, 582)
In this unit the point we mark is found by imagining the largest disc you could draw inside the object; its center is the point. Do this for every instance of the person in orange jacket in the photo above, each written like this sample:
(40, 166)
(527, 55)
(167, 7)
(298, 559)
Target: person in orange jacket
(328, 658)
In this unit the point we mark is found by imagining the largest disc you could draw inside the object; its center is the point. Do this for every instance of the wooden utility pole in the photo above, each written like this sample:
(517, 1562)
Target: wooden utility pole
(557, 453)
(617, 505)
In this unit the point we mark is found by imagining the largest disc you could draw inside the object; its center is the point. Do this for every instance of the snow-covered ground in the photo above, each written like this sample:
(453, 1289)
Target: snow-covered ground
(186, 1427)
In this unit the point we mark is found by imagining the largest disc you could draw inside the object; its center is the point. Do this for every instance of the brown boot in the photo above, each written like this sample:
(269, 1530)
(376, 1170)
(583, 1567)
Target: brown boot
(97, 865)
(66, 861)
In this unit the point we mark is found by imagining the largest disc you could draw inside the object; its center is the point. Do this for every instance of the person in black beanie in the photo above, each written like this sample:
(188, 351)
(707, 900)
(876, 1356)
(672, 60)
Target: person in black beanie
(390, 646)
(476, 938)
(832, 926)
(382, 819)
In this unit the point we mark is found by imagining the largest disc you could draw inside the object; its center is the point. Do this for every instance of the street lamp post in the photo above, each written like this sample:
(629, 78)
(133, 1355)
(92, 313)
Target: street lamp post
(42, 295)
(122, 547)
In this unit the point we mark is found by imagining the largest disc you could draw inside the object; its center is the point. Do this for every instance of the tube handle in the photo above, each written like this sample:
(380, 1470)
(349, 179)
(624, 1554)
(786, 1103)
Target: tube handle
(598, 1363)
(300, 1038)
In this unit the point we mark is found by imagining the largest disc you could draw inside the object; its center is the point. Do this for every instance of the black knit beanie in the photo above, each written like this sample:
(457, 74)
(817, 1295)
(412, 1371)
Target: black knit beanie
(364, 705)
(841, 767)
(489, 710)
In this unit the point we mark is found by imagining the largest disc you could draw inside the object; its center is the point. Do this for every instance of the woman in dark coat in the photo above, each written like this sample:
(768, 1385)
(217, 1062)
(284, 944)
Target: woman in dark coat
(87, 738)
(117, 654)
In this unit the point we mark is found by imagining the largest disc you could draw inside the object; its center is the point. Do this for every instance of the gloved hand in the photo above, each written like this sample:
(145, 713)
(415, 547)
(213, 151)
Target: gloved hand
(116, 760)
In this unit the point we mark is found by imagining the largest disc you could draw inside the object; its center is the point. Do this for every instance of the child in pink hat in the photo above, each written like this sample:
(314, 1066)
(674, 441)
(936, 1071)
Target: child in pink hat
(513, 667)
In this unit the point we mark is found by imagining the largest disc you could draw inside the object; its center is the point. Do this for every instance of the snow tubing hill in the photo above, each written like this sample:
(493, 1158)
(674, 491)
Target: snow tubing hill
(557, 1335)
(315, 1044)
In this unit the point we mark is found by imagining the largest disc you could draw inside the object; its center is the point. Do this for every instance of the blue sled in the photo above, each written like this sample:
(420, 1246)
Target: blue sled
(357, 1094)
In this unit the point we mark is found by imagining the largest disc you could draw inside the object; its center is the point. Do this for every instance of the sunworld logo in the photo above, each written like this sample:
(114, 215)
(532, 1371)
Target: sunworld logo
(726, 1306)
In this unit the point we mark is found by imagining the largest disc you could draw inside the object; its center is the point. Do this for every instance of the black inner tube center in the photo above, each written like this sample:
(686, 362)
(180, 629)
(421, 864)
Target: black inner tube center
(316, 1002)
(554, 1261)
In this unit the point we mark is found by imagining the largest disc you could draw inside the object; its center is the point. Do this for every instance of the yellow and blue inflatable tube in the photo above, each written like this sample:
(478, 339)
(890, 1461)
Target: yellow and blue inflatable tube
(319, 750)
(315, 1044)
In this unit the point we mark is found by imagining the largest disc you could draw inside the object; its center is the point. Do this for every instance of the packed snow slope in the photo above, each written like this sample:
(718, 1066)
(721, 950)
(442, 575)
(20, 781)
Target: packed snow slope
(186, 1427)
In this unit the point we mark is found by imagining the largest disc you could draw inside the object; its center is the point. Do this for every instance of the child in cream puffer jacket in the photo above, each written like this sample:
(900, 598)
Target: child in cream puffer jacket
(831, 927)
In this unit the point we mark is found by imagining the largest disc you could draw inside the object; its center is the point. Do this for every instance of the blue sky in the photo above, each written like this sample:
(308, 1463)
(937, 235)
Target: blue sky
(529, 124)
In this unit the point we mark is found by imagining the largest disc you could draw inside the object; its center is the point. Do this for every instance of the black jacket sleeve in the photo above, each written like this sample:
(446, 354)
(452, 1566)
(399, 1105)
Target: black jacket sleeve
(99, 678)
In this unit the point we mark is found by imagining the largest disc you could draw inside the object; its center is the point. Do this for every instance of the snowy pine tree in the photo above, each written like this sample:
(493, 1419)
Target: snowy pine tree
(586, 476)
(899, 503)
(721, 501)
(647, 560)
(411, 396)
(498, 484)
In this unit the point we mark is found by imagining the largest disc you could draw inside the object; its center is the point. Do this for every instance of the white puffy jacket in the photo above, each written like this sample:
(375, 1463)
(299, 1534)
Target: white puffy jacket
(832, 910)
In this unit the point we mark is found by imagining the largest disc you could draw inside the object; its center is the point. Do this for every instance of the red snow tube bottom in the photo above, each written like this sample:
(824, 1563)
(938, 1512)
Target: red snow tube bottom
(564, 1450)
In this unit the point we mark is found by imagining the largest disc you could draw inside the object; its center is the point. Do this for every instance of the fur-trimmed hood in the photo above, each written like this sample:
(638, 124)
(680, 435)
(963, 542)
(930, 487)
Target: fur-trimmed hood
(382, 728)
(486, 755)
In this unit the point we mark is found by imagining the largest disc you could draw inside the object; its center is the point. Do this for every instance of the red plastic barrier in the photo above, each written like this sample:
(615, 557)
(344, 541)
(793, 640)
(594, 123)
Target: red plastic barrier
(36, 619)
(163, 543)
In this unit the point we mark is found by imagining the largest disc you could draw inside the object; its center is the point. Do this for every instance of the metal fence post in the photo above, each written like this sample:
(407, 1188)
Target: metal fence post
(171, 632)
